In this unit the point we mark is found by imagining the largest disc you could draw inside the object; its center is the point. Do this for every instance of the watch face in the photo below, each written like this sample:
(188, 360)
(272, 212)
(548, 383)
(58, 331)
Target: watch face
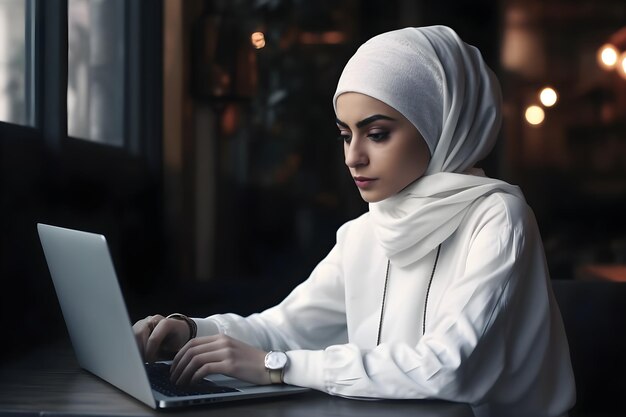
(275, 360)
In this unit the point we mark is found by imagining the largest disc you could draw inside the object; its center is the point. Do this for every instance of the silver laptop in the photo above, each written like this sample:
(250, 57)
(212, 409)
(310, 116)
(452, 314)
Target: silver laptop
(101, 332)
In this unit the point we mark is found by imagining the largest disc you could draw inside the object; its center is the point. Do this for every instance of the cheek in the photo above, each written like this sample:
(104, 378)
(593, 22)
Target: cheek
(410, 171)
(414, 162)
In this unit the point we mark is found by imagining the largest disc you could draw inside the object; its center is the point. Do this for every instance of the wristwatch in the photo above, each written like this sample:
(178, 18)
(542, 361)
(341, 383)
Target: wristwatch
(275, 363)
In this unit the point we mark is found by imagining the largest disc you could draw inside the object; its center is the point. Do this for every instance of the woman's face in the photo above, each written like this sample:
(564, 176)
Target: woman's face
(383, 150)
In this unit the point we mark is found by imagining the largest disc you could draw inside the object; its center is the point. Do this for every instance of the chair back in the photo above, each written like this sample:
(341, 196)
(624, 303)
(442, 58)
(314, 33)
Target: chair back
(594, 315)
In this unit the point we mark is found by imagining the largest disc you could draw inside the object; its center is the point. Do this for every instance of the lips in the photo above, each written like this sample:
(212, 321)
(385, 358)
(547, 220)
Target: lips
(364, 182)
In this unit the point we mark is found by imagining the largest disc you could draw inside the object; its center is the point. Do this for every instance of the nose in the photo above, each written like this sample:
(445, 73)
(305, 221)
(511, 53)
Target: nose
(355, 154)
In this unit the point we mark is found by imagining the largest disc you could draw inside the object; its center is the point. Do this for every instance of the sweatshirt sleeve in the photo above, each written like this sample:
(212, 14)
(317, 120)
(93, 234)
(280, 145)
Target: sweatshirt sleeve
(462, 353)
(311, 317)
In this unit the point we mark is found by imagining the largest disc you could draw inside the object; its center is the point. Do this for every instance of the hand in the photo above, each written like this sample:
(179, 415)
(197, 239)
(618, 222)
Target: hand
(219, 354)
(160, 338)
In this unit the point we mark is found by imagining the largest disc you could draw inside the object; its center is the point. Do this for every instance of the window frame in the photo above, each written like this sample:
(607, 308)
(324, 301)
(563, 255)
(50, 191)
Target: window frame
(47, 90)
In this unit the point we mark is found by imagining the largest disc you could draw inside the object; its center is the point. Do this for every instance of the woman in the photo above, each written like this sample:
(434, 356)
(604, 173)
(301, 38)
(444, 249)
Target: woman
(441, 290)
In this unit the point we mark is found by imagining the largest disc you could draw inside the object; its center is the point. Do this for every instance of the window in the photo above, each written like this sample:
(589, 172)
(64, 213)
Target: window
(47, 175)
(95, 85)
(16, 62)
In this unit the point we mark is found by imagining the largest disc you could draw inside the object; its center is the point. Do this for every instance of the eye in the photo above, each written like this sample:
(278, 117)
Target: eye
(378, 136)
(345, 137)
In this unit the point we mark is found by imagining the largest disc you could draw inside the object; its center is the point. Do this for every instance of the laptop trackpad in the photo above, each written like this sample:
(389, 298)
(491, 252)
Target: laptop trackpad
(228, 381)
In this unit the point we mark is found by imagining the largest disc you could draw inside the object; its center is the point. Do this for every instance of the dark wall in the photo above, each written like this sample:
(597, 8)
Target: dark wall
(283, 189)
(76, 191)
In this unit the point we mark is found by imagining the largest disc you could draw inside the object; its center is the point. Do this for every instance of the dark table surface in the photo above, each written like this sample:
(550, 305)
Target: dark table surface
(48, 381)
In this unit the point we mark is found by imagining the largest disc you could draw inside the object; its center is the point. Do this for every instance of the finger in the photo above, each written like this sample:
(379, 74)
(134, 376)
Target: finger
(155, 335)
(206, 369)
(198, 367)
(190, 344)
(187, 353)
(182, 359)
(180, 355)
(142, 340)
(141, 330)
(139, 337)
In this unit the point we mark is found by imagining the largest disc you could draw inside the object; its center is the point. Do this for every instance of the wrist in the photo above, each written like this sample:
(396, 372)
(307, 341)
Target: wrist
(191, 325)
(275, 365)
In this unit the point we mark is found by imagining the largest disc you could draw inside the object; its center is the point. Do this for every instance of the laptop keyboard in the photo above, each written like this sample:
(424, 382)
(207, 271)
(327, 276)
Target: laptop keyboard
(159, 375)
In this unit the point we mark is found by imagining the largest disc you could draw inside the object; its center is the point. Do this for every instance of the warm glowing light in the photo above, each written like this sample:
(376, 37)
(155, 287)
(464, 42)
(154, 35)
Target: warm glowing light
(333, 37)
(548, 97)
(322, 38)
(622, 65)
(258, 40)
(534, 115)
(607, 56)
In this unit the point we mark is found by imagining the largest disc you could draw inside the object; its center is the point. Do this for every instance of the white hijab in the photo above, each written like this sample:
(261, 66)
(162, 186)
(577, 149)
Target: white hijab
(442, 86)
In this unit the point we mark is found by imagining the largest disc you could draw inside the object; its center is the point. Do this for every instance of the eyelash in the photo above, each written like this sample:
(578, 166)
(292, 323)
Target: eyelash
(379, 136)
(374, 137)
(344, 138)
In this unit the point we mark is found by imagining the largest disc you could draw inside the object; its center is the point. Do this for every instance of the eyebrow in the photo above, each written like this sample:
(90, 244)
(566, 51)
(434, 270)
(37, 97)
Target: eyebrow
(366, 121)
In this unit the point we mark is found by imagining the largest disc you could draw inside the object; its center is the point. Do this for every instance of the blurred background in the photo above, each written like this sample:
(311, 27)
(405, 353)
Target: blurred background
(199, 137)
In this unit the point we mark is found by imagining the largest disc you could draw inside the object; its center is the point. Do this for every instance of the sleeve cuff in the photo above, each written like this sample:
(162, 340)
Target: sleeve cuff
(206, 327)
(305, 369)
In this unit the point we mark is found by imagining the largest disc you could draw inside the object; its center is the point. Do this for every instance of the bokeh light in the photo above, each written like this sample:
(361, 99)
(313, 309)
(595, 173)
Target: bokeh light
(607, 56)
(622, 65)
(534, 115)
(258, 40)
(548, 96)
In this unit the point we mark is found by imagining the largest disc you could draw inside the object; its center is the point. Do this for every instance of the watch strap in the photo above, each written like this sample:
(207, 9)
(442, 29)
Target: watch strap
(276, 375)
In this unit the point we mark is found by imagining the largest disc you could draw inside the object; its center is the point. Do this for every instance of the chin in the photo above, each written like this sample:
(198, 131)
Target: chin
(372, 198)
